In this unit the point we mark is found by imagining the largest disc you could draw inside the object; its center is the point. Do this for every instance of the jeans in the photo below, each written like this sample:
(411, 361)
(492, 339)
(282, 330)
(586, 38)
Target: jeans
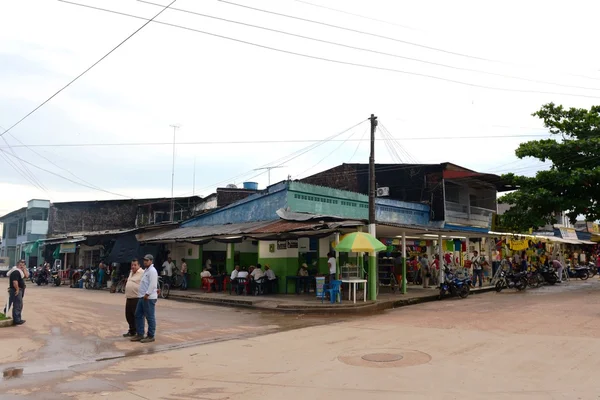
(184, 283)
(478, 274)
(145, 311)
(17, 304)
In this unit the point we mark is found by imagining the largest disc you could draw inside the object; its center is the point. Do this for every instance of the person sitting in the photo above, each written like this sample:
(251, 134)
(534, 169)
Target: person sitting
(303, 280)
(241, 279)
(256, 276)
(205, 273)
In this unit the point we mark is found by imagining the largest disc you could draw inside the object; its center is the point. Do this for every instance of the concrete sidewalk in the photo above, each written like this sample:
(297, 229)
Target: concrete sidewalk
(310, 304)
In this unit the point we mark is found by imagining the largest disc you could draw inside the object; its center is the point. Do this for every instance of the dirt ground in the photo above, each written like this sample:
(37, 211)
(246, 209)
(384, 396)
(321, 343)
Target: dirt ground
(537, 344)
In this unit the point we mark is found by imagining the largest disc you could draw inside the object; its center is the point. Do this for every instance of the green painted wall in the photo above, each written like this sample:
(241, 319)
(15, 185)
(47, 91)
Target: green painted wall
(282, 267)
(194, 269)
(247, 259)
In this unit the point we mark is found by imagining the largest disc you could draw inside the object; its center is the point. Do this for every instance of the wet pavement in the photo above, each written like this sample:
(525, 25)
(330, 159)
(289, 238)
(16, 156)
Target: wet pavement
(531, 344)
(68, 330)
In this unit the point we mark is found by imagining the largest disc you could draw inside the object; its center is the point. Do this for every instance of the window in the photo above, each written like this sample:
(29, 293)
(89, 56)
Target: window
(452, 192)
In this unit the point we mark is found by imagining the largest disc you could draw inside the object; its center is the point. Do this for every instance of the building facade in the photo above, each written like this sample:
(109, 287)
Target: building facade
(22, 228)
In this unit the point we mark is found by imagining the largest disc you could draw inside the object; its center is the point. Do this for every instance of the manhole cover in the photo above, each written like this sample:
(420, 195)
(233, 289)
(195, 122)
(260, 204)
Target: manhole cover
(382, 357)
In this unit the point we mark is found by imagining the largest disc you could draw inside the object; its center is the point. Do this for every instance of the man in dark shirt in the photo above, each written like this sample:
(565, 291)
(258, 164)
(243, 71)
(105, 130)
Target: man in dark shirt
(15, 290)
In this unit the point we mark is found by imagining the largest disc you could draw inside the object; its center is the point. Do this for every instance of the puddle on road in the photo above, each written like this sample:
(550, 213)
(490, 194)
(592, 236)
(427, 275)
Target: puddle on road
(10, 373)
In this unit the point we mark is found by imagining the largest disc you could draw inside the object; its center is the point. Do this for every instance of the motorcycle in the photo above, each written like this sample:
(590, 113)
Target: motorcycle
(549, 275)
(511, 280)
(33, 274)
(42, 278)
(593, 269)
(579, 272)
(454, 285)
(535, 279)
(55, 277)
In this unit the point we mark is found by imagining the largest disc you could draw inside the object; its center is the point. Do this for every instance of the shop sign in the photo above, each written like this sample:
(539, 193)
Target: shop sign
(568, 233)
(595, 228)
(281, 245)
(292, 244)
(68, 247)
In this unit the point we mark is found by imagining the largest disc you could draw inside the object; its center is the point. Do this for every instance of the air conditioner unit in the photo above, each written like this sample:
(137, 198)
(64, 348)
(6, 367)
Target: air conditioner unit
(383, 191)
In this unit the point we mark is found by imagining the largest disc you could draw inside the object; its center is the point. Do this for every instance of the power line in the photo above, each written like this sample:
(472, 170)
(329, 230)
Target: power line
(84, 72)
(221, 142)
(330, 60)
(25, 172)
(50, 161)
(288, 158)
(358, 145)
(374, 51)
(356, 31)
(63, 177)
(358, 15)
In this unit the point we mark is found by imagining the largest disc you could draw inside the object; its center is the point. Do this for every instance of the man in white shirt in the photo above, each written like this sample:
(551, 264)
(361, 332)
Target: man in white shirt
(257, 273)
(242, 274)
(269, 273)
(147, 297)
(205, 274)
(332, 266)
(234, 273)
(167, 268)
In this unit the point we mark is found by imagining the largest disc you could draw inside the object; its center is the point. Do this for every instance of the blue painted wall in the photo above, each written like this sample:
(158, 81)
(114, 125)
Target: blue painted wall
(300, 197)
(258, 207)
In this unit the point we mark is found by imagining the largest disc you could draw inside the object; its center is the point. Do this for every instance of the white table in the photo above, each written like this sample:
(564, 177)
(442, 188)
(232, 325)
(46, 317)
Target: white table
(352, 289)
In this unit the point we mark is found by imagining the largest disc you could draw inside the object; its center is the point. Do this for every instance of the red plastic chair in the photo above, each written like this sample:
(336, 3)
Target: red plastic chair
(207, 284)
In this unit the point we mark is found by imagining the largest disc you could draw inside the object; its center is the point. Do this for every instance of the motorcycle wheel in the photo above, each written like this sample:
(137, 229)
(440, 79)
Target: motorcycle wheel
(441, 295)
(584, 275)
(164, 293)
(57, 282)
(532, 281)
(523, 284)
(464, 292)
(499, 286)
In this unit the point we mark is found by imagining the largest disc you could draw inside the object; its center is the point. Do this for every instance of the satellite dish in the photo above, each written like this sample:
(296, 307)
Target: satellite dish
(231, 186)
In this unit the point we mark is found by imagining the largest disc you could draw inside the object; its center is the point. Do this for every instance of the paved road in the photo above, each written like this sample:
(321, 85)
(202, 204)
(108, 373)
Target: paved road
(538, 344)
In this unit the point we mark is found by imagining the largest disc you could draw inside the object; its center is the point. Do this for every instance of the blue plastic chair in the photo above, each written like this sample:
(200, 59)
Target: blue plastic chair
(334, 289)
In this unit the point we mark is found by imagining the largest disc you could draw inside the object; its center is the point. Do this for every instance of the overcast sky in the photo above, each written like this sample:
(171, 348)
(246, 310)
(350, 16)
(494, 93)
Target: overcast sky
(221, 90)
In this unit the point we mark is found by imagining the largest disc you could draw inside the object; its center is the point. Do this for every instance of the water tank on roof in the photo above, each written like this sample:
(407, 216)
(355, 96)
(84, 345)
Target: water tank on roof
(251, 185)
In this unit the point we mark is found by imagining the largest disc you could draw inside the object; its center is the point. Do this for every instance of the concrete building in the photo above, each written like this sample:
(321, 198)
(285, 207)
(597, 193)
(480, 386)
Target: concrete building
(22, 229)
(459, 198)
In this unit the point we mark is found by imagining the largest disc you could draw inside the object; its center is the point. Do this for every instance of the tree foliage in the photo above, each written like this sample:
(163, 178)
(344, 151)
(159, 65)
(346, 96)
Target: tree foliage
(571, 185)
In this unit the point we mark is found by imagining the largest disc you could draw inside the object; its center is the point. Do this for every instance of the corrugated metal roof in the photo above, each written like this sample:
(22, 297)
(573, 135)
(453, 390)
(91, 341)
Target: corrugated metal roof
(198, 232)
(286, 226)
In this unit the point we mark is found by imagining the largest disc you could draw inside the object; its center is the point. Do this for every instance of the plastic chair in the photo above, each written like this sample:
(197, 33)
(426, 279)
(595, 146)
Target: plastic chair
(334, 289)
(207, 284)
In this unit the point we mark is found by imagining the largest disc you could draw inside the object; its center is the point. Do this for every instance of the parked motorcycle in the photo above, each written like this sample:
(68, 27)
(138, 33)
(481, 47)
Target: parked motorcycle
(593, 269)
(579, 272)
(454, 285)
(511, 280)
(55, 277)
(42, 278)
(549, 275)
(534, 279)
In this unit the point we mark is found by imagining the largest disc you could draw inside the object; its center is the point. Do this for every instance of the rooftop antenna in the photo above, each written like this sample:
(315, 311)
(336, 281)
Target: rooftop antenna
(269, 170)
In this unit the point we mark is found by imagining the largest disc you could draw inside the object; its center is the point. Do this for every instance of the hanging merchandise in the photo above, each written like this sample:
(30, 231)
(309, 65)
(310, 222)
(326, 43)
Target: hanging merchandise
(457, 245)
(464, 246)
(518, 245)
(449, 245)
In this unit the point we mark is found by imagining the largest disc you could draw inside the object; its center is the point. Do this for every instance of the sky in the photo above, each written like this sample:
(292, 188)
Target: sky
(267, 105)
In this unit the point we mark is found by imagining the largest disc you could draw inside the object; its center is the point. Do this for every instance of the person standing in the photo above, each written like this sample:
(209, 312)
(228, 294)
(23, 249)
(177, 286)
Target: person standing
(184, 275)
(132, 289)
(147, 297)
(16, 287)
(167, 269)
(425, 272)
(477, 269)
(559, 268)
(332, 266)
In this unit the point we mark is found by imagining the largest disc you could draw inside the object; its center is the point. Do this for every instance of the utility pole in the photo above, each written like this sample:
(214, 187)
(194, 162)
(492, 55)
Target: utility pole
(269, 171)
(194, 184)
(372, 256)
(175, 127)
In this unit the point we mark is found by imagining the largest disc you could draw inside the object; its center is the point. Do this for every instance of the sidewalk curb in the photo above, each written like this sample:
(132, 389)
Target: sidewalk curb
(318, 308)
(6, 323)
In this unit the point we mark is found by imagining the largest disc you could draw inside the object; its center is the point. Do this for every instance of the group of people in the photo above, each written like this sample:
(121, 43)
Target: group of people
(254, 275)
(141, 293)
(169, 270)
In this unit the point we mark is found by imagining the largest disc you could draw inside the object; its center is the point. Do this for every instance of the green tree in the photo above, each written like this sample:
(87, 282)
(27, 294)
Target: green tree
(572, 184)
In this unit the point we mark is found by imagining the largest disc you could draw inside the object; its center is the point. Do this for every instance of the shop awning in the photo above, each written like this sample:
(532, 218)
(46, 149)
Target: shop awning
(202, 232)
(50, 241)
(31, 247)
(127, 247)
